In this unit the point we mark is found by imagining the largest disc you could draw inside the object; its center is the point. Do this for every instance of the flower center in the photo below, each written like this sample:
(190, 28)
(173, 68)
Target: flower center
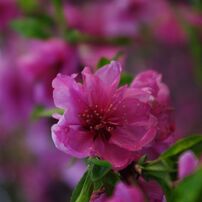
(94, 121)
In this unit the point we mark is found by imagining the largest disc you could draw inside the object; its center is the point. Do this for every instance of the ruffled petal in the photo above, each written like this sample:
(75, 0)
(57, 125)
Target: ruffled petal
(71, 140)
(110, 74)
(133, 137)
(147, 81)
(69, 95)
(98, 92)
(118, 157)
(61, 94)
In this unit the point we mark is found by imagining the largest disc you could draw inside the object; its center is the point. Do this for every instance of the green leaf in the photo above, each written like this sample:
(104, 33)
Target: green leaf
(83, 190)
(103, 61)
(142, 160)
(32, 28)
(197, 4)
(73, 36)
(98, 172)
(190, 189)
(99, 168)
(78, 188)
(193, 143)
(109, 182)
(40, 112)
(57, 3)
(28, 5)
(164, 169)
(102, 175)
(125, 78)
(98, 162)
(121, 41)
(159, 171)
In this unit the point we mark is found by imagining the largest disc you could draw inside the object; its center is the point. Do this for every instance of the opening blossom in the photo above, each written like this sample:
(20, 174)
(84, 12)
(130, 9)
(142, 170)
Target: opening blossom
(100, 118)
(187, 164)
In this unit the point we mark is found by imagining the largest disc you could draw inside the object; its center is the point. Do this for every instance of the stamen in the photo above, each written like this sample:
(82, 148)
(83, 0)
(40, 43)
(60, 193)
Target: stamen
(95, 121)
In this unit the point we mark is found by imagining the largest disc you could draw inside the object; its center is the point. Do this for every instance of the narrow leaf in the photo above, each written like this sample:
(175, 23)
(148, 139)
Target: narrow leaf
(84, 189)
(180, 146)
(40, 112)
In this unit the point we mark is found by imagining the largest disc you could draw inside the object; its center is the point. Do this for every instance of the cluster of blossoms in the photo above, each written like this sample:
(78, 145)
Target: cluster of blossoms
(102, 118)
(111, 122)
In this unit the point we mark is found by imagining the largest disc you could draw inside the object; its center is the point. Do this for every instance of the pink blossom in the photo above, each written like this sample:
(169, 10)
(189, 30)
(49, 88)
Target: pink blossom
(101, 119)
(8, 10)
(127, 17)
(125, 193)
(119, 18)
(187, 164)
(122, 193)
(40, 63)
(150, 82)
(15, 97)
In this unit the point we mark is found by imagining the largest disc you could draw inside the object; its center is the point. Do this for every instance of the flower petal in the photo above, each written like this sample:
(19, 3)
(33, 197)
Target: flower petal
(118, 157)
(110, 73)
(61, 94)
(98, 92)
(70, 140)
(69, 95)
(125, 193)
(133, 137)
(147, 81)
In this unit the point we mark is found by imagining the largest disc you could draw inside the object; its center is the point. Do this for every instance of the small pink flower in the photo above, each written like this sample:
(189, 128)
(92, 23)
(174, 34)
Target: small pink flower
(125, 193)
(187, 164)
(41, 62)
(159, 99)
(122, 193)
(101, 119)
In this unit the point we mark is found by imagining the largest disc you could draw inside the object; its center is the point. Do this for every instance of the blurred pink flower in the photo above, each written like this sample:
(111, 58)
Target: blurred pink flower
(15, 97)
(187, 164)
(125, 193)
(122, 193)
(50, 170)
(8, 11)
(42, 61)
(118, 19)
(101, 120)
(129, 18)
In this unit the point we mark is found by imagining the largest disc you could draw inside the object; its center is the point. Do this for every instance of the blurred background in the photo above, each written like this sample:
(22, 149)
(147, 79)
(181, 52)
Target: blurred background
(40, 38)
